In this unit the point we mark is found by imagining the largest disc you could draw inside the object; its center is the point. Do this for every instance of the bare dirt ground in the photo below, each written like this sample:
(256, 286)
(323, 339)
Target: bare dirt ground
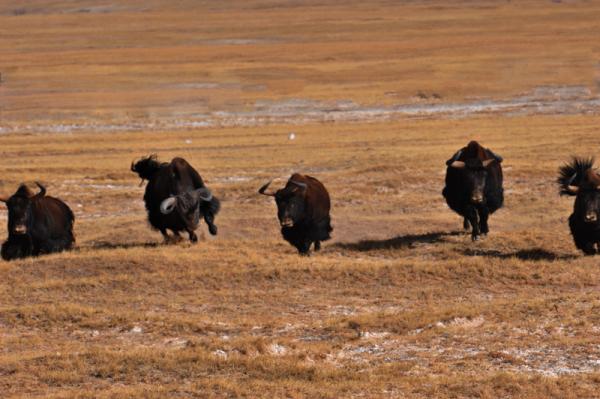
(378, 94)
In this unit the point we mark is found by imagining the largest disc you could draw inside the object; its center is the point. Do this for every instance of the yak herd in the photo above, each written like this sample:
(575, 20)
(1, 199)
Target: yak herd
(176, 198)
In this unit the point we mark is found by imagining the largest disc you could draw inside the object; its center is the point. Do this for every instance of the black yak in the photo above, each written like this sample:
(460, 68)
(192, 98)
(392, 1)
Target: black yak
(303, 210)
(579, 179)
(176, 197)
(37, 224)
(474, 186)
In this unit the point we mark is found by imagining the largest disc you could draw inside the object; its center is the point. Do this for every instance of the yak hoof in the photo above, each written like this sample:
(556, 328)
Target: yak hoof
(172, 239)
(475, 238)
(193, 237)
(212, 229)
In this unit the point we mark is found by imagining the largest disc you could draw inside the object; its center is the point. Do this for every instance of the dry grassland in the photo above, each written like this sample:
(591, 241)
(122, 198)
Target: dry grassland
(400, 303)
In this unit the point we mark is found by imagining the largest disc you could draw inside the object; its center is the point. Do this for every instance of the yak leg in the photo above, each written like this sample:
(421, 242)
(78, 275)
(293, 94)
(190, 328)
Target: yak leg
(209, 218)
(193, 236)
(588, 248)
(471, 214)
(466, 224)
(170, 239)
(317, 245)
(176, 237)
(304, 248)
(165, 235)
(484, 214)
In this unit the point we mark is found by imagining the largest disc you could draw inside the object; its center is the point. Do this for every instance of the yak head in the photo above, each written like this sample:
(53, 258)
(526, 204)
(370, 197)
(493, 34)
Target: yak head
(475, 172)
(290, 201)
(578, 178)
(19, 208)
(187, 203)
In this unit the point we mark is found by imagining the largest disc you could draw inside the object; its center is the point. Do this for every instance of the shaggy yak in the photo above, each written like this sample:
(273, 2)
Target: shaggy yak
(579, 179)
(303, 210)
(37, 224)
(474, 186)
(176, 197)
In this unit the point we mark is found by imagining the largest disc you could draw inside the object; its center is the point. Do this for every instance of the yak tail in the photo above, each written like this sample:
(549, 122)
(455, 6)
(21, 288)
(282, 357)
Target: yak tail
(213, 206)
(146, 167)
(573, 173)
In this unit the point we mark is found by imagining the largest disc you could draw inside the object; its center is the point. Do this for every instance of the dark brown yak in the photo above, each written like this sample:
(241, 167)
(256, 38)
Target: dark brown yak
(37, 224)
(474, 186)
(176, 197)
(303, 210)
(579, 179)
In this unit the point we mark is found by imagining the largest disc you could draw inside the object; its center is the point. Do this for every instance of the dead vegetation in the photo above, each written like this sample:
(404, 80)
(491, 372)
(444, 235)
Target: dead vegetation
(399, 304)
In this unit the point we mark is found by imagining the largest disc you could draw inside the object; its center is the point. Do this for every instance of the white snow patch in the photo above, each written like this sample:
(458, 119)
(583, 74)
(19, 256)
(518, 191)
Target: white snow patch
(220, 353)
(374, 335)
(277, 350)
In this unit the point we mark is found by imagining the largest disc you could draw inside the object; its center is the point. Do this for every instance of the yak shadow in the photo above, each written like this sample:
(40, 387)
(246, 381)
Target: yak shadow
(100, 245)
(534, 254)
(406, 241)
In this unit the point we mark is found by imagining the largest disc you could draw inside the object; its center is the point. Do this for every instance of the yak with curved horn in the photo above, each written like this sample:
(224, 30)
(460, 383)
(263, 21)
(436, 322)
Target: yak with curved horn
(578, 178)
(474, 186)
(303, 207)
(37, 224)
(176, 197)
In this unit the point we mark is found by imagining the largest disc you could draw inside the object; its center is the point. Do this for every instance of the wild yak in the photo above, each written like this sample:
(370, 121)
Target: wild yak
(579, 179)
(176, 197)
(303, 210)
(37, 224)
(474, 186)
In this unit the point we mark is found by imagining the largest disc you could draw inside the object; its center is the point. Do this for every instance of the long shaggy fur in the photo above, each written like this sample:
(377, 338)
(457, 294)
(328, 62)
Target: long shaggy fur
(176, 178)
(573, 173)
(147, 167)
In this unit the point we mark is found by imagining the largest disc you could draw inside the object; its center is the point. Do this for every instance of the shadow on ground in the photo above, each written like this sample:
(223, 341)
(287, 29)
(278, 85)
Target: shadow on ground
(111, 245)
(406, 241)
(536, 254)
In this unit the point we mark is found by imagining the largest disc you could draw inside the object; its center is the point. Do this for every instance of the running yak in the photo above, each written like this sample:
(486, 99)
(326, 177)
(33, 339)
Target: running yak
(176, 197)
(303, 211)
(474, 186)
(579, 179)
(37, 224)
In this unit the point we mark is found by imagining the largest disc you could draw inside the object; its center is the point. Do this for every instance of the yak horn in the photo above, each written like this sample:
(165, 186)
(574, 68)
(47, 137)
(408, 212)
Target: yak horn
(264, 188)
(42, 191)
(303, 186)
(458, 165)
(457, 155)
(487, 162)
(204, 194)
(168, 205)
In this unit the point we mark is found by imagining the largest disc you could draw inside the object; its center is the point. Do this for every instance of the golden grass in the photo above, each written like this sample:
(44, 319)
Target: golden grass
(399, 304)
